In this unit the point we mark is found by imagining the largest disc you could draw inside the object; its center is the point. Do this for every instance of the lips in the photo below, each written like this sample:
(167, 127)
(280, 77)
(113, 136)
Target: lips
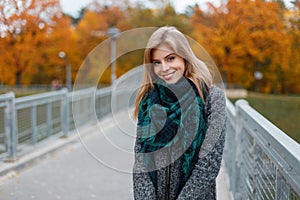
(169, 75)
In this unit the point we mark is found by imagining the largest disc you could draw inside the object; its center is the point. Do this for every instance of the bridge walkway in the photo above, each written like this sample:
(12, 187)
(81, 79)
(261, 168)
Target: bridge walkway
(83, 166)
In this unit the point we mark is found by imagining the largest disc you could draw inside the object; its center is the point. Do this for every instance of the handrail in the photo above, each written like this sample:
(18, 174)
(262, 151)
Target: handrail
(266, 161)
(26, 121)
(262, 162)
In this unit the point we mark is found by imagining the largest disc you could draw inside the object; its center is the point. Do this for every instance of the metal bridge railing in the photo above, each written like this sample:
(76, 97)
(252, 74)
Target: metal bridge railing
(28, 121)
(262, 162)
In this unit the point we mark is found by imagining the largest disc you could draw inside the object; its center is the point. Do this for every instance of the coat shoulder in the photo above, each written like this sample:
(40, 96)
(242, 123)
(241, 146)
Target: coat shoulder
(216, 98)
(216, 92)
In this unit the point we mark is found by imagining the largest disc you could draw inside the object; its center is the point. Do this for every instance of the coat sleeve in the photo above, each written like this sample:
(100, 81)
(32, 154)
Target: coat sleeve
(143, 188)
(201, 184)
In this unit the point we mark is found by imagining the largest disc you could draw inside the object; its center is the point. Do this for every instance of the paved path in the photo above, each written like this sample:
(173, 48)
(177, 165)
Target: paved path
(97, 166)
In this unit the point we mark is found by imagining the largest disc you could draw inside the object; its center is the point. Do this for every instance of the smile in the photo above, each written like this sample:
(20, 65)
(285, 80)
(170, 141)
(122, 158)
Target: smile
(169, 75)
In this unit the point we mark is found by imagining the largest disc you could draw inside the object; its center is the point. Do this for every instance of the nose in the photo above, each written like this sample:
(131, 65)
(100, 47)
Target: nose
(164, 67)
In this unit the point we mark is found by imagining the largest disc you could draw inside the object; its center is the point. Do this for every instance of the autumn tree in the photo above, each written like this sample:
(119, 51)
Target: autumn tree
(159, 17)
(138, 14)
(244, 37)
(49, 66)
(92, 29)
(24, 26)
(293, 22)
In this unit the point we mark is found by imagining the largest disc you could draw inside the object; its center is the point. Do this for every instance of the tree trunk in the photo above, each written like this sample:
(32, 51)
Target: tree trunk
(18, 78)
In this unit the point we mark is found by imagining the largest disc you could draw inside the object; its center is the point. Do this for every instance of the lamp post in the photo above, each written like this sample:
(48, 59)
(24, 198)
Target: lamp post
(258, 76)
(113, 33)
(62, 55)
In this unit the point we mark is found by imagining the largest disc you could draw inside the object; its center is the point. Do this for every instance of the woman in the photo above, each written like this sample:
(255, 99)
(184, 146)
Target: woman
(181, 123)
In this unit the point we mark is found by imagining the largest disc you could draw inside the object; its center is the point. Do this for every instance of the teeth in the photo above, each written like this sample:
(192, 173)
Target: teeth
(170, 74)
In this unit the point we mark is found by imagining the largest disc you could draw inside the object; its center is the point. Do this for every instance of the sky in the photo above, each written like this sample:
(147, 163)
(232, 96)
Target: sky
(73, 6)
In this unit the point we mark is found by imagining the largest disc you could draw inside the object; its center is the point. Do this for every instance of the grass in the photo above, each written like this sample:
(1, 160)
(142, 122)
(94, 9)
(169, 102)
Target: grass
(24, 92)
(283, 111)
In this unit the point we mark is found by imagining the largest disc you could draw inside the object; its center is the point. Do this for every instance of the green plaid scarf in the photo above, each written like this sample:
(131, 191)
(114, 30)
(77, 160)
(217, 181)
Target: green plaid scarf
(171, 120)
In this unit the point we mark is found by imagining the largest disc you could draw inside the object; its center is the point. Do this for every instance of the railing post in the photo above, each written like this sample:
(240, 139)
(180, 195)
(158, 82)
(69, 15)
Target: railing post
(11, 138)
(65, 121)
(238, 141)
(49, 119)
(33, 125)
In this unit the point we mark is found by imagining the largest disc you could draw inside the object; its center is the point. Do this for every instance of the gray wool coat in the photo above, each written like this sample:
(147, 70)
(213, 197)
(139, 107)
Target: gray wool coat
(201, 185)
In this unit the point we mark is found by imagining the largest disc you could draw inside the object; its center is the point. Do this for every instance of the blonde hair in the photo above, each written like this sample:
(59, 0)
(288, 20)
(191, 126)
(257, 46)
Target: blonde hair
(195, 69)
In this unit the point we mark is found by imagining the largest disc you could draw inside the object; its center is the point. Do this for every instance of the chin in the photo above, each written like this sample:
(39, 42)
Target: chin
(172, 81)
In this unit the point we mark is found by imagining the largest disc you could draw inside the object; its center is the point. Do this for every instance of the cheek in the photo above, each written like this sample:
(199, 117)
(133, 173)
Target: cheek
(156, 70)
(182, 67)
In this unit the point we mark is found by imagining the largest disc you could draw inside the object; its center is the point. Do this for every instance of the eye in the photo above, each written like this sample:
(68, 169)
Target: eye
(156, 63)
(170, 58)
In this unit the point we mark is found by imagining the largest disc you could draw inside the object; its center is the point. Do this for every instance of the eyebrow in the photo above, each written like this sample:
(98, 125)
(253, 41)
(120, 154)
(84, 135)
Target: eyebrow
(164, 57)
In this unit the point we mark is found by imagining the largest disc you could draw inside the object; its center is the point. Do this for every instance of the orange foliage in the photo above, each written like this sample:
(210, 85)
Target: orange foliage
(244, 37)
(92, 30)
(25, 28)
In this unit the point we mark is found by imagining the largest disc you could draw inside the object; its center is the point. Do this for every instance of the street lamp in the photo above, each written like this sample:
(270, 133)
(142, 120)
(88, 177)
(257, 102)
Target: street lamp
(113, 33)
(258, 76)
(62, 55)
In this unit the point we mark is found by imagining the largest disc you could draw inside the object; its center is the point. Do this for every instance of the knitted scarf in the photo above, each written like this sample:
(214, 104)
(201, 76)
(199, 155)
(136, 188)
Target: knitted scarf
(171, 120)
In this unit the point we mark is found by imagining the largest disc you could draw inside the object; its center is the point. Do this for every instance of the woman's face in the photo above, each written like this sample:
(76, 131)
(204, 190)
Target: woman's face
(167, 65)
